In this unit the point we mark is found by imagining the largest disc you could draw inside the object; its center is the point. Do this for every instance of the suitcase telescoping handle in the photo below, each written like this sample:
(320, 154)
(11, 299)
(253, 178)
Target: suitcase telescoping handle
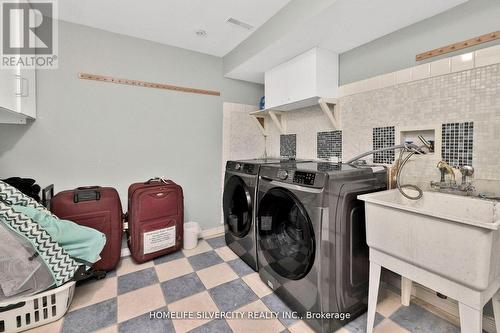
(87, 193)
(158, 180)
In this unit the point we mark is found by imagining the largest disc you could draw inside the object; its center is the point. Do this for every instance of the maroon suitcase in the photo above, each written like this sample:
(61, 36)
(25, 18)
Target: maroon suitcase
(155, 219)
(95, 207)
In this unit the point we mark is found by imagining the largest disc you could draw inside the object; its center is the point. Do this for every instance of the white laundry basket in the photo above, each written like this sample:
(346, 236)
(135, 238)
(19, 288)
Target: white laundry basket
(192, 231)
(28, 312)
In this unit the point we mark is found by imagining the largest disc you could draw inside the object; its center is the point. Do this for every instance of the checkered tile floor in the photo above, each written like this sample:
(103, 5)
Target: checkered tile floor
(209, 278)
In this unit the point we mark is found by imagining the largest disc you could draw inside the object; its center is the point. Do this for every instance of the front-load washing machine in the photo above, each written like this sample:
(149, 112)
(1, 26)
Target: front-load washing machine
(311, 238)
(240, 186)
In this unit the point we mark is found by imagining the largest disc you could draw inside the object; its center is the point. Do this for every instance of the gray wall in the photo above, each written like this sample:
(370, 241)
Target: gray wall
(398, 50)
(98, 133)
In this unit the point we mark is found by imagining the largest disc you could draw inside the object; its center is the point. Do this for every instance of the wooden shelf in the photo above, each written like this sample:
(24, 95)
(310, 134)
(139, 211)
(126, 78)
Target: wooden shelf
(327, 105)
(292, 106)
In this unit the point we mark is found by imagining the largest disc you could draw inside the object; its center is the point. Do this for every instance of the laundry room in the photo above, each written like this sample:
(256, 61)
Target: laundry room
(250, 166)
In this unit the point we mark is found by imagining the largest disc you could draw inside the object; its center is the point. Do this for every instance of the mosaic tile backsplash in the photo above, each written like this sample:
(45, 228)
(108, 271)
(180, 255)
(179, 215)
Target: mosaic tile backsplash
(383, 137)
(329, 144)
(288, 145)
(457, 143)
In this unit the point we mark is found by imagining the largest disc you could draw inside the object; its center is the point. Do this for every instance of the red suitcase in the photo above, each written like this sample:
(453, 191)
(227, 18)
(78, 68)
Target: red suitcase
(155, 219)
(95, 207)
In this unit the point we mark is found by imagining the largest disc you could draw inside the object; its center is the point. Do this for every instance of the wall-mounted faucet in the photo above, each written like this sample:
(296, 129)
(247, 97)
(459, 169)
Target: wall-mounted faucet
(465, 187)
(446, 168)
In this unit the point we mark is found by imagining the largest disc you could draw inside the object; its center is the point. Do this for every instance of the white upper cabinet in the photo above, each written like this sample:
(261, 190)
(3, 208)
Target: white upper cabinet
(17, 94)
(9, 88)
(300, 81)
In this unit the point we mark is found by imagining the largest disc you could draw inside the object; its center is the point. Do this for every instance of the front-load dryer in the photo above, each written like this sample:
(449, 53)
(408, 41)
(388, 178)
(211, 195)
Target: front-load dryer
(240, 186)
(311, 238)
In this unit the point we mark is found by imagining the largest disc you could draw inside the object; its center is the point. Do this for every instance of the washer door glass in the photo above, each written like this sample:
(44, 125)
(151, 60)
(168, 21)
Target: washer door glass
(237, 205)
(286, 235)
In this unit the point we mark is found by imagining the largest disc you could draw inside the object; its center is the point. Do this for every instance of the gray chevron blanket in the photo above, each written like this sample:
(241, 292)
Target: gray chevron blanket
(62, 266)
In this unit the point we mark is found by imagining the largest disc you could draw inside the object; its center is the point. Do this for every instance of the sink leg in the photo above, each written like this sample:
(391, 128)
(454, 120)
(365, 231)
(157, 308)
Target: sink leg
(496, 309)
(373, 295)
(405, 291)
(471, 320)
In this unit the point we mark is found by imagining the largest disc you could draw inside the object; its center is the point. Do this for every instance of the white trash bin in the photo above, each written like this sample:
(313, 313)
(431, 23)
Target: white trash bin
(192, 231)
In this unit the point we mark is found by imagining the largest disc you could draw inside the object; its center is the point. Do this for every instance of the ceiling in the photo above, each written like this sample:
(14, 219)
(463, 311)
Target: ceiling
(281, 30)
(341, 26)
(174, 22)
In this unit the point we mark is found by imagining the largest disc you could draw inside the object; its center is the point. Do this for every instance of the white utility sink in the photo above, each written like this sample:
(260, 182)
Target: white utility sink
(446, 242)
(454, 236)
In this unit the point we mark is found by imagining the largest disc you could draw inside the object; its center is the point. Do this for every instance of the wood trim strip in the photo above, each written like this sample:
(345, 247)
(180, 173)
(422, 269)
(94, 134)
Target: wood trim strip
(459, 46)
(109, 79)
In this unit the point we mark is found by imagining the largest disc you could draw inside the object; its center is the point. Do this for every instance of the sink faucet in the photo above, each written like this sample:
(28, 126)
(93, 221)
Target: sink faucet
(446, 168)
(465, 187)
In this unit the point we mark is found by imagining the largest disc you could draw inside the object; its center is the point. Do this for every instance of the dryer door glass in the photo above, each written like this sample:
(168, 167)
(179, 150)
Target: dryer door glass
(237, 206)
(286, 235)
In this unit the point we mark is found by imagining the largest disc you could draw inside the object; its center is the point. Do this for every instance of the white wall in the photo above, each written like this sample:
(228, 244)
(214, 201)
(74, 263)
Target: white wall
(91, 133)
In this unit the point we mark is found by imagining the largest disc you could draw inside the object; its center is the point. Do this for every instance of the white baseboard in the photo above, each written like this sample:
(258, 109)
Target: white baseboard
(207, 233)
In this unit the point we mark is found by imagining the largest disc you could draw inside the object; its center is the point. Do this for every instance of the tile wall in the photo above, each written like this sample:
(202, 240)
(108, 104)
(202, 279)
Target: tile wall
(480, 58)
(469, 96)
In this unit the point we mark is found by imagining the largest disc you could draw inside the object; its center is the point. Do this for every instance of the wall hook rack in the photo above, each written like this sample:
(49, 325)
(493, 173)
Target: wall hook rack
(459, 46)
(109, 79)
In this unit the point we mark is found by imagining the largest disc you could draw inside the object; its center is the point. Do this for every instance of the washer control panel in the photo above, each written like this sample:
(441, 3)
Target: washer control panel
(304, 178)
(247, 168)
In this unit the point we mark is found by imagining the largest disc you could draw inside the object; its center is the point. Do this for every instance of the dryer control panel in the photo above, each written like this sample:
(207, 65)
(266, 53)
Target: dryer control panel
(304, 178)
(293, 177)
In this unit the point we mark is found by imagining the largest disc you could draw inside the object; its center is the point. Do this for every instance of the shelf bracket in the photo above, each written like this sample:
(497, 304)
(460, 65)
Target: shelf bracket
(278, 121)
(276, 117)
(329, 107)
(261, 121)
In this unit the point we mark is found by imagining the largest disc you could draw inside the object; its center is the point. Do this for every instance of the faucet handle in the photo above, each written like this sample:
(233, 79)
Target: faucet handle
(466, 170)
